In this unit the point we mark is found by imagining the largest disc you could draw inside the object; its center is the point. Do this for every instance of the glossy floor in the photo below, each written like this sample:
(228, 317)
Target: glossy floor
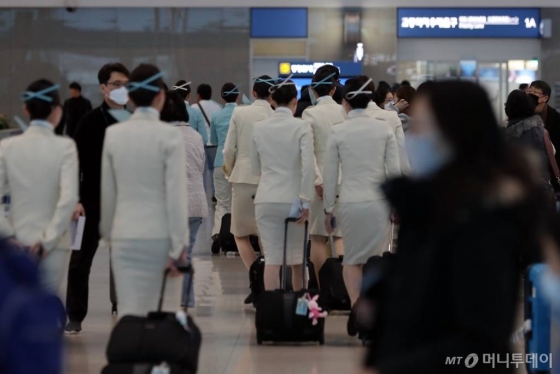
(229, 345)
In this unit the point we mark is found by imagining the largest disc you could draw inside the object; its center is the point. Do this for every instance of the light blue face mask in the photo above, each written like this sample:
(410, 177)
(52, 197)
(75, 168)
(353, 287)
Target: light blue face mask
(390, 105)
(551, 287)
(427, 153)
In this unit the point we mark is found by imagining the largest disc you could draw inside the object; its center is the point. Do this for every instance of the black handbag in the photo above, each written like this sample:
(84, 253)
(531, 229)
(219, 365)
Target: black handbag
(276, 318)
(156, 338)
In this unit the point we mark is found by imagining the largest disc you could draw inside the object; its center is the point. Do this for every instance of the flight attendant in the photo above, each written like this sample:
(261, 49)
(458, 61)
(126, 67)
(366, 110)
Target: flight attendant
(365, 151)
(218, 131)
(282, 154)
(237, 166)
(393, 119)
(40, 172)
(322, 116)
(144, 198)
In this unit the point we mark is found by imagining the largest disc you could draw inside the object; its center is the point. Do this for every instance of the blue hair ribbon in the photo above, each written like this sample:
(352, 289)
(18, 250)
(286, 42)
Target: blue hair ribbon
(145, 85)
(326, 80)
(28, 95)
(234, 91)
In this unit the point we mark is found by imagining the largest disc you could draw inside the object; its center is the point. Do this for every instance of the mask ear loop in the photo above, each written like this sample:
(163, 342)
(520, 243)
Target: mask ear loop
(285, 82)
(28, 95)
(133, 86)
(352, 94)
(181, 87)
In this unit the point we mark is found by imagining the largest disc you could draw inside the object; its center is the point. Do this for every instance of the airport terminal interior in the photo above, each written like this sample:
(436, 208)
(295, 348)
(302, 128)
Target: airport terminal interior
(400, 158)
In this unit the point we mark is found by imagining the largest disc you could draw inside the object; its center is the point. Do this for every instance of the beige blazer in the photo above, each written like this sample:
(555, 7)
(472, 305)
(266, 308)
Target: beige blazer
(282, 154)
(368, 154)
(237, 148)
(396, 124)
(40, 171)
(143, 182)
(322, 118)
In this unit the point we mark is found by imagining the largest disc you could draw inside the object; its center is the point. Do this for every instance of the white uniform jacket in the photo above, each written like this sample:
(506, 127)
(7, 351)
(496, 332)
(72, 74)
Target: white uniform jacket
(237, 149)
(368, 154)
(396, 124)
(282, 153)
(143, 182)
(40, 171)
(322, 118)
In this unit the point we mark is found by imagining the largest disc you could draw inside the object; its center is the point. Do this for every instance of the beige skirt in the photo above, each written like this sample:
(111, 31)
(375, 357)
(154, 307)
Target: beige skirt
(243, 221)
(138, 267)
(270, 220)
(366, 228)
(317, 219)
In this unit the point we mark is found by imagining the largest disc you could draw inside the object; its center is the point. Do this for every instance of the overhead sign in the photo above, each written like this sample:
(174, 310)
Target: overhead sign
(468, 22)
(307, 69)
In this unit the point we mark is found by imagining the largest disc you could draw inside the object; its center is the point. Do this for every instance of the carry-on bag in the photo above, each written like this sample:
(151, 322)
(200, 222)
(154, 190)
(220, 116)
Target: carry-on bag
(288, 316)
(227, 240)
(537, 316)
(159, 337)
(333, 290)
(143, 369)
(256, 278)
(372, 282)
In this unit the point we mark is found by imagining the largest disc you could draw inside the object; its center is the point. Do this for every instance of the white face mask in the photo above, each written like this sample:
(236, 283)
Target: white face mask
(119, 96)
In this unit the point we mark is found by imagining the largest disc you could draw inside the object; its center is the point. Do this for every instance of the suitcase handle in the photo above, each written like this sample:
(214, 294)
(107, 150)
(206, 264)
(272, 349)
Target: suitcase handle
(184, 269)
(284, 260)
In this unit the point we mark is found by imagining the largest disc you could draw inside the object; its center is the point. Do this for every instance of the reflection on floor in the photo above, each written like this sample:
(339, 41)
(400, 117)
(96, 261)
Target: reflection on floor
(229, 344)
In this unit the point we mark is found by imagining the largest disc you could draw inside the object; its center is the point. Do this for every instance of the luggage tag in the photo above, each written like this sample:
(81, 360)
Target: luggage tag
(301, 309)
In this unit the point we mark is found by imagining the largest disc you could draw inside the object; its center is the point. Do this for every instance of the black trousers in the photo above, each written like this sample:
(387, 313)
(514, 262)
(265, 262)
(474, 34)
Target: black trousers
(77, 295)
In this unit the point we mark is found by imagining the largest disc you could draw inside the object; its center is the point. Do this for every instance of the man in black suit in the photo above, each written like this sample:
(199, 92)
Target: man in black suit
(75, 108)
(549, 115)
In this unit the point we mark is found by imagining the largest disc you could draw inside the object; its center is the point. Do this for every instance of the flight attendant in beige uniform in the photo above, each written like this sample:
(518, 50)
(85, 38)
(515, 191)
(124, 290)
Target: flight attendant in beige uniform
(322, 116)
(365, 151)
(237, 166)
(282, 154)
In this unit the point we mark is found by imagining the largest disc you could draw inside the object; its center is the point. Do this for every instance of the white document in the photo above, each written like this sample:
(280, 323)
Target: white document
(77, 233)
(297, 208)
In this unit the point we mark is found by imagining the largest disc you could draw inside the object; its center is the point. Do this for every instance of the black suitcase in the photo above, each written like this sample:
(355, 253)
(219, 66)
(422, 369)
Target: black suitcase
(374, 271)
(276, 319)
(256, 278)
(140, 369)
(227, 240)
(157, 338)
(333, 290)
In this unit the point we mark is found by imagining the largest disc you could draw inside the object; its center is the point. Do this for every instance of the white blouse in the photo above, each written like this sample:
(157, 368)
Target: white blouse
(194, 149)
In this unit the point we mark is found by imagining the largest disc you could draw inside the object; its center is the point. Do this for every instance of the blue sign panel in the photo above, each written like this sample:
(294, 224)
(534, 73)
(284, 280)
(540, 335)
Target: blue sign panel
(468, 22)
(307, 69)
(278, 22)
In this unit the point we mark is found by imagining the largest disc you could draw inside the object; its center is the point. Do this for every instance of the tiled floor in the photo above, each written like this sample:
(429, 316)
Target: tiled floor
(229, 345)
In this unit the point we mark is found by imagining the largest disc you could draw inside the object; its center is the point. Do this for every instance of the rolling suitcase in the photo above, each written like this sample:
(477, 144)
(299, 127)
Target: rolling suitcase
(142, 369)
(373, 273)
(333, 290)
(227, 240)
(279, 317)
(537, 315)
(157, 338)
(256, 278)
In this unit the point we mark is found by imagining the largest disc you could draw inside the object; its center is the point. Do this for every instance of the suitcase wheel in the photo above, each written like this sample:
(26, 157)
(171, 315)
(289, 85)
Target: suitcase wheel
(259, 340)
